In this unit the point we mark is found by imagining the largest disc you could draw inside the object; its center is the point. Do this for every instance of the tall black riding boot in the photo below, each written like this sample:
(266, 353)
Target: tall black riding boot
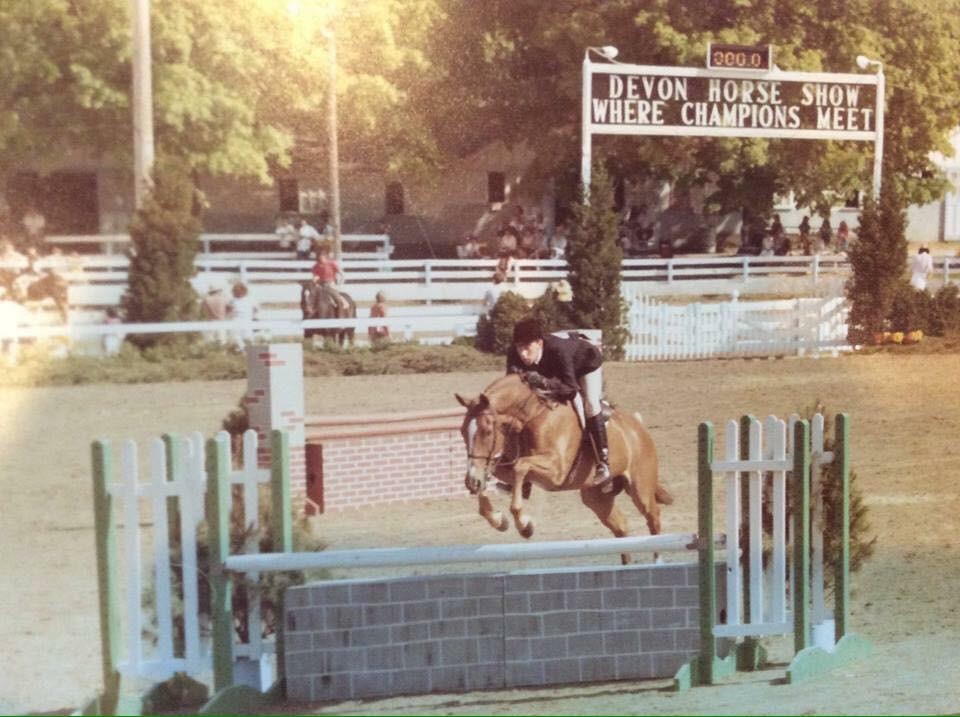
(598, 436)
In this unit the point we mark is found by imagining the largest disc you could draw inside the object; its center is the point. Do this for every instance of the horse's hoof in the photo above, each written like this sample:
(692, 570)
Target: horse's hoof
(504, 524)
(527, 530)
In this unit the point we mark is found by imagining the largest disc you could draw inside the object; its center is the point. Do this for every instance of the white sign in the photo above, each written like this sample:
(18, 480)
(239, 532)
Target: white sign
(630, 99)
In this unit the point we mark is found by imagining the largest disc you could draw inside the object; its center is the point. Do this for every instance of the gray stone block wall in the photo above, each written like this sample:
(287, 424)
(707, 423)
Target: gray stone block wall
(373, 638)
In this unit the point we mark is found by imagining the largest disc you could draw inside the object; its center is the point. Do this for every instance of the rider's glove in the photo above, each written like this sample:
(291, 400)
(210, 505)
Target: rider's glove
(535, 380)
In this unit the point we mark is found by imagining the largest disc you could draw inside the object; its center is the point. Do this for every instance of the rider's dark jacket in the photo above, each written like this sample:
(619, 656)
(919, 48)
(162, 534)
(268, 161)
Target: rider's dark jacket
(562, 363)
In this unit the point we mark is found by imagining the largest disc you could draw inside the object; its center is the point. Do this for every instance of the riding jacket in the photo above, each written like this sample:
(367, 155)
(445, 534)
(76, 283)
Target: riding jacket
(562, 363)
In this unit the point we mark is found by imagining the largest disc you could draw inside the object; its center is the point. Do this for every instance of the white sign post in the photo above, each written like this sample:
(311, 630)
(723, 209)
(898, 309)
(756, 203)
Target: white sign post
(625, 99)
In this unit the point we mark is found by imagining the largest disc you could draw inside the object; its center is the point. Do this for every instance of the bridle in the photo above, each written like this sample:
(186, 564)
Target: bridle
(494, 459)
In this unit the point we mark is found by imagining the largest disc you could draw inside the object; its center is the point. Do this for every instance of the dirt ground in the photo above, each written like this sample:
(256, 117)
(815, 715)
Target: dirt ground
(905, 411)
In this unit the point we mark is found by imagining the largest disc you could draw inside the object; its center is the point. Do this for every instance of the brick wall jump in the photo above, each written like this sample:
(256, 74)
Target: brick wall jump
(375, 638)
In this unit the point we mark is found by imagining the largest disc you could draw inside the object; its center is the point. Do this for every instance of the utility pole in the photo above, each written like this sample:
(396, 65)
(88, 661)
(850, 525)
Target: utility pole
(334, 149)
(143, 153)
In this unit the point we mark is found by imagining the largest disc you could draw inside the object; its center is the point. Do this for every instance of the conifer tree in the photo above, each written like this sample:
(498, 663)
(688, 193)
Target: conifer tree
(594, 258)
(164, 233)
(877, 257)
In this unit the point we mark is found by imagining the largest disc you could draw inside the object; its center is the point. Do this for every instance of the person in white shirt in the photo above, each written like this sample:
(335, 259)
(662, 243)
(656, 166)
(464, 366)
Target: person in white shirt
(920, 268)
(242, 308)
(307, 236)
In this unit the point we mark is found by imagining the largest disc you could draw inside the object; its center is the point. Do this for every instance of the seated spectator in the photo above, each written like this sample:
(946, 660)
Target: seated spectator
(306, 236)
(558, 243)
(379, 310)
(507, 244)
(286, 233)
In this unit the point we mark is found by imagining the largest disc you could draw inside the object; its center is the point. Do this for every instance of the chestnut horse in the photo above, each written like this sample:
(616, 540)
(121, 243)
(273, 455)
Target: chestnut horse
(522, 436)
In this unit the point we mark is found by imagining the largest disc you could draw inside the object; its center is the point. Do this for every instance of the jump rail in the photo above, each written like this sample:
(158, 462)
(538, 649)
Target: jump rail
(390, 557)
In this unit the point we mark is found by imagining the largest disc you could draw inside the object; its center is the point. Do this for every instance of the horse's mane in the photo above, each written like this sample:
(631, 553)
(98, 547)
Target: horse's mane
(511, 390)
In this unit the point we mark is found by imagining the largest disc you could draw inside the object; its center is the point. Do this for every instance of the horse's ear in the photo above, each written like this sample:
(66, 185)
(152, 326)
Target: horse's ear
(467, 403)
(483, 403)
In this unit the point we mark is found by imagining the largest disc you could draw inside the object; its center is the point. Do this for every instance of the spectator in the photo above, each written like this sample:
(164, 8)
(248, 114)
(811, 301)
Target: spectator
(306, 236)
(805, 235)
(507, 242)
(470, 248)
(112, 341)
(377, 311)
(34, 225)
(825, 235)
(492, 294)
(242, 309)
(920, 268)
(286, 233)
(558, 243)
(328, 273)
(843, 237)
(215, 307)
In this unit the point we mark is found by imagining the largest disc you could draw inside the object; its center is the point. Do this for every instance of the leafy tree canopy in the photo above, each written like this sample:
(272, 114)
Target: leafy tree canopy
(518, 77)
(233, 83)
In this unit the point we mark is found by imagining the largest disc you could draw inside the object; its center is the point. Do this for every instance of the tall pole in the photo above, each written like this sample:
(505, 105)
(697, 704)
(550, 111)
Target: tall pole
(878, 140)
(143, 153)
(334, 150)
(586, 137)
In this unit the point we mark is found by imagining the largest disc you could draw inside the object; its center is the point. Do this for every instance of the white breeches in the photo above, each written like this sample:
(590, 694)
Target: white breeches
(591, 388)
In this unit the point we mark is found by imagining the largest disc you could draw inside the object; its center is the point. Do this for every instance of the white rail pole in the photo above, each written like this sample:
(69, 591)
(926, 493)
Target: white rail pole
(383, 557)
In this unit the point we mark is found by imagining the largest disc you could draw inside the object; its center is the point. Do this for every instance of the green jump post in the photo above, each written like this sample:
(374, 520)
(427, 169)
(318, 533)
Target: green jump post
(280, 515)
(105, 534)
(841, 458)
(221, 588)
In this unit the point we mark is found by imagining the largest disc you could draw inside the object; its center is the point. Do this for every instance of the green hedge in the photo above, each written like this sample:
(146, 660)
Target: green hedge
(199, 361)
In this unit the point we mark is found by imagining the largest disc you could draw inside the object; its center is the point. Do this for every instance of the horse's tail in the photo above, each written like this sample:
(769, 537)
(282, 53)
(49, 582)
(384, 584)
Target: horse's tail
(663, 496)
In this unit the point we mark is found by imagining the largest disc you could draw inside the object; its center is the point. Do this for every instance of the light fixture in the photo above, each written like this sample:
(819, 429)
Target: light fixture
(607, 52)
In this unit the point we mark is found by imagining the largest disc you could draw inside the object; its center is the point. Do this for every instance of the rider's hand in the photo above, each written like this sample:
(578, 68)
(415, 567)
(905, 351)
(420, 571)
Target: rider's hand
(535, 380)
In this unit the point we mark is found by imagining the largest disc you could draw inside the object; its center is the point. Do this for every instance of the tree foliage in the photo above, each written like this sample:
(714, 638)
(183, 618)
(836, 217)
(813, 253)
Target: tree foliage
(233, 83)
(520, 68)
(594, 257)
(877, 257)
(164, 233)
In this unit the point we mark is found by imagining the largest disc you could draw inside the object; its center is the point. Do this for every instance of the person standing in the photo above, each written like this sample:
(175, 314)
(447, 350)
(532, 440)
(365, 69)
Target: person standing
(242, 309)
(843, 237)
(379, 311)
(920, 268)
(568, 368)
(214, 307)
(805, 235)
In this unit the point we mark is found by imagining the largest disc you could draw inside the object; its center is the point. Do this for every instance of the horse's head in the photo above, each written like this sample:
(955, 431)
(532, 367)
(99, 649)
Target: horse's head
(485, 433)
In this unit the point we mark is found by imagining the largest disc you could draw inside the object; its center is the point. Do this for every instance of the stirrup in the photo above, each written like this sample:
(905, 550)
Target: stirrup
(505, 487)
(603, 479)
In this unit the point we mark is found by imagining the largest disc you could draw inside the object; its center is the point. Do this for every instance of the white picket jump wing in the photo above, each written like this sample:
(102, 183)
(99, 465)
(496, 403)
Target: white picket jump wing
(756, 523)
(734, 574)
(778, 583)
(161, 550)
(818, 609)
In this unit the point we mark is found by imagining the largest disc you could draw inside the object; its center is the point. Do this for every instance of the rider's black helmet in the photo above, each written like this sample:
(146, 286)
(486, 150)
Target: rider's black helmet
(526, 330)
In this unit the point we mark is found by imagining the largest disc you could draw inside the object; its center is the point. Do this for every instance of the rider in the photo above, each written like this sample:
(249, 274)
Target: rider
(564, 367)
(326, 272)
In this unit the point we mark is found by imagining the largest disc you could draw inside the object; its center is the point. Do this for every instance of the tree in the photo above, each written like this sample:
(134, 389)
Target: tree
(877, 258)
(518, 78)
(234, 84)
(164, 232)
(594, 257)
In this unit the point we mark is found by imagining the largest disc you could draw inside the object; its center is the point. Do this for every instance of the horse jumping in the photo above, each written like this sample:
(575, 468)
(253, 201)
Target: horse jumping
(522, 436)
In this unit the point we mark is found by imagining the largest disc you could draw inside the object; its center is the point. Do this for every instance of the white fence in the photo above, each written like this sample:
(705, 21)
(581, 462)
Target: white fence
(114, 243)
(659, 331)
(147, 587)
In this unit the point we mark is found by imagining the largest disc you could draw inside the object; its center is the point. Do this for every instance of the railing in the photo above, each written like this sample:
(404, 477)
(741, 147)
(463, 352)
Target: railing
(112, 243)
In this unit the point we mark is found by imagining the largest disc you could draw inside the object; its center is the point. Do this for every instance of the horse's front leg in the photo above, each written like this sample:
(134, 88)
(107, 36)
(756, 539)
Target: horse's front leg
(524, 470)
(497, 518)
